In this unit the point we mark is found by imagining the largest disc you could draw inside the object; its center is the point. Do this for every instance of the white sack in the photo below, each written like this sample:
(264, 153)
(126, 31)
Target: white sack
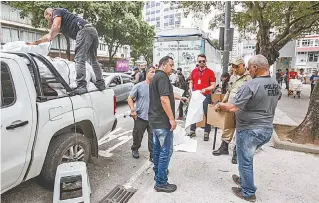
(178, 91)
(195, 108)
(21, 46)
(179, 135)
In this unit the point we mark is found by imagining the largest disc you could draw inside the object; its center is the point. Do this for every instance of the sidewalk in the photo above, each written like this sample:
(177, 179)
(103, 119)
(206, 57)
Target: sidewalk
(280, 176)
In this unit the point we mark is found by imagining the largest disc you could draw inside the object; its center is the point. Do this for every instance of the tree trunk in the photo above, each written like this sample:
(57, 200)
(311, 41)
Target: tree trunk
(264, 46)
(308, 130)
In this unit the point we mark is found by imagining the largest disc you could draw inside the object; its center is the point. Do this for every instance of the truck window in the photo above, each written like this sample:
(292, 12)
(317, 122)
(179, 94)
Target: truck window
(8, 95)
(126, 79)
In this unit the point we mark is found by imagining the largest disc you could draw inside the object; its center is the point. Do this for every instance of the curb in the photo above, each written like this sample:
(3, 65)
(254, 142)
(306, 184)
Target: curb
(278, 144)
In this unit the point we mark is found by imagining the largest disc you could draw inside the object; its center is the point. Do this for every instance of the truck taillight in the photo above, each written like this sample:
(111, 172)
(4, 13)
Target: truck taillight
(114, 101)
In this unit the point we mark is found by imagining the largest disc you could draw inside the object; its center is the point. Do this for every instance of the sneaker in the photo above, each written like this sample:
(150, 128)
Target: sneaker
(236, 179)
(135, 154)
(100, 85)
(80, 90)
(191, 134)
(206, 136)
(238, 193)
(166, 188)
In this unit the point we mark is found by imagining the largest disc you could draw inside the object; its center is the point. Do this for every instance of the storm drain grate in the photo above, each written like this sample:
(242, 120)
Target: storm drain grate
(118, 195)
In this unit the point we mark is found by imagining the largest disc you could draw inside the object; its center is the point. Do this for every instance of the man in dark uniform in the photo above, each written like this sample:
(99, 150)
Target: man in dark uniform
(87, 43)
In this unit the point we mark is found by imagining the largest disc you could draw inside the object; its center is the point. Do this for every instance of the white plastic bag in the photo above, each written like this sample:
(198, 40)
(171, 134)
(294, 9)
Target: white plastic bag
(195, 108)
(21, 46)
(179, 135)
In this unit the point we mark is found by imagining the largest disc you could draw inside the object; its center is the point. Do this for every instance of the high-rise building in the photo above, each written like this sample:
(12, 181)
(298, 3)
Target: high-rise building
(164, 15)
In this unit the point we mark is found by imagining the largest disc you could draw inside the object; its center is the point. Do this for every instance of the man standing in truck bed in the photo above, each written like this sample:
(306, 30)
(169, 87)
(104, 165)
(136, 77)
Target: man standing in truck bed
(87, 42)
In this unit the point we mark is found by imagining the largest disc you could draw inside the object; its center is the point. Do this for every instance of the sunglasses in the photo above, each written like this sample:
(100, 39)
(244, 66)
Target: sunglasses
(203, 61)
(234, 66)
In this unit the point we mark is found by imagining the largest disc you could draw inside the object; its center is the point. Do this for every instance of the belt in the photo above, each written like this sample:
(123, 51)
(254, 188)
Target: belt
(83, 26)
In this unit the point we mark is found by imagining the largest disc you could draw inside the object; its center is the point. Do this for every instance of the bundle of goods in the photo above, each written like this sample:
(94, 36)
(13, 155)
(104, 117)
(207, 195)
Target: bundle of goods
(295, 86)
(65, 67)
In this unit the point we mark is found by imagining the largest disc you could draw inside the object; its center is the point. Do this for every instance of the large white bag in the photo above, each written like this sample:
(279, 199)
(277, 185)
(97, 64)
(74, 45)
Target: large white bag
(195, 108)
(21, 46)
(179, 135)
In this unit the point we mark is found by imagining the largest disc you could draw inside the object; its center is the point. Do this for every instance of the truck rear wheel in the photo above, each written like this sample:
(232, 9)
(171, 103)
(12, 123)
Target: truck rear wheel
(64, 148)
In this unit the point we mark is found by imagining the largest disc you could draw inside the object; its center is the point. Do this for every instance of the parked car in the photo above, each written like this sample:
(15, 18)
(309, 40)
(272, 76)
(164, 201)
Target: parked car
(39, 129)
(120, 83)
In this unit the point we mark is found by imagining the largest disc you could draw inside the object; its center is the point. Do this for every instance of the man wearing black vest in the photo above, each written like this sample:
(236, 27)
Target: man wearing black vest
(87, 43)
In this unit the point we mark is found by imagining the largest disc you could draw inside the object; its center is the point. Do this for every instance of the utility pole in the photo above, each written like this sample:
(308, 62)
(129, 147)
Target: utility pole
(227, 39)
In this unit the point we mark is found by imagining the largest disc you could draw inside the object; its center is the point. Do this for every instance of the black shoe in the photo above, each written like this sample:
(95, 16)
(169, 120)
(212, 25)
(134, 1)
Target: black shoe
(234, 158)
(135, 154)
(206, 136)
(80, 90)
(166, 188)
(191, 134)
(236, 179)
(100, 85)
(238, 193)
(223, 149)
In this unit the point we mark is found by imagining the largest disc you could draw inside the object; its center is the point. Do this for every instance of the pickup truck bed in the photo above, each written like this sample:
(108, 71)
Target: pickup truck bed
(40, 130)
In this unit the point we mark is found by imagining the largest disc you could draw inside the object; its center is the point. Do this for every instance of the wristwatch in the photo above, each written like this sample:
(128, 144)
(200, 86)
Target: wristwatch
(133, 110)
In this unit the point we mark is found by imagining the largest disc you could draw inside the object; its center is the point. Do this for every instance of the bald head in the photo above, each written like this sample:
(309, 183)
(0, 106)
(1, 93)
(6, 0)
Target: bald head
(259, 61)
(258, 66)
(48, 11)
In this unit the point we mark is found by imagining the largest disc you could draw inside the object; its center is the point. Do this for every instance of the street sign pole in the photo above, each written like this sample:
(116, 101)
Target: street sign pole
(227, 36)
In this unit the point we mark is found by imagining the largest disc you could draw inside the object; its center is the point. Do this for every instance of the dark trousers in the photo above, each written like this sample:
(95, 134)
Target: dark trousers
(207, 101)
(312, 87)
(140, 126)
(87, 43)
(180, 106)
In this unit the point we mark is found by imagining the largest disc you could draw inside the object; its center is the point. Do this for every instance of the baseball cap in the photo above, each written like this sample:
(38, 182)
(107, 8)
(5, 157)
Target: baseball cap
(237, 61)
(135, 68)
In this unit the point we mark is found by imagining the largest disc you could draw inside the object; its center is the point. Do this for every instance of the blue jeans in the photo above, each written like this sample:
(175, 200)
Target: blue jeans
(162, 152)
(247, 142)
(208, 100)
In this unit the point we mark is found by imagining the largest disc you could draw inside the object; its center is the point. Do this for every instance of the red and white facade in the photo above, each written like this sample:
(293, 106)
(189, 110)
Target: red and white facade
(307, 52)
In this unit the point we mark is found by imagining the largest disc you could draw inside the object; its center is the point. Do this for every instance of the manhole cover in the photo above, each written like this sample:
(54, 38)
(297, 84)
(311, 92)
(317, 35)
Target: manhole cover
(118, 195)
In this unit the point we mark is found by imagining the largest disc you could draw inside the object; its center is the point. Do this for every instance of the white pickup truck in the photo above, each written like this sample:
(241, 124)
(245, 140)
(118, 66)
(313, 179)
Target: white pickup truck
(40, 130)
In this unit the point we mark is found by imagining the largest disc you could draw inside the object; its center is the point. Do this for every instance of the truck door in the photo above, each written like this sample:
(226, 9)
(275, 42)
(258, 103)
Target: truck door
(16, 123)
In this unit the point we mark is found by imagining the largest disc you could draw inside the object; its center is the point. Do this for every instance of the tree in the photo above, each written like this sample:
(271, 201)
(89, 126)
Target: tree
(116, 22)
(142, 44)
(35, 10)
(215, 43)
(273, 24)
(119, 24)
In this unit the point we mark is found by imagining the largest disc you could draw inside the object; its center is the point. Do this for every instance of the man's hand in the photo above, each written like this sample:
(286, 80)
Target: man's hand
(173, 125)
(33, 43)
(203, 91)
(134, 115)
(190, 92)
(217, 107)
(184, 99)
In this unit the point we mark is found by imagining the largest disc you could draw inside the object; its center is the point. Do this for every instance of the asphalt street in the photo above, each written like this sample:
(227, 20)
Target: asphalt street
(115, 166)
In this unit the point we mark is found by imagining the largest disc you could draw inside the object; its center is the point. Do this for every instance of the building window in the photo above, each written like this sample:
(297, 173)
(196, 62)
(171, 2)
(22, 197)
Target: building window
(153, 4)
(166, 9)
(165, 17)
(178, 15)
(158, 24)
(152, 12)
(158, 18)
(316, 43)
(165, 24)
(152, 19)
(313, 56)
(305, 42)
(148, 12)
(158, 3)
(157, 11)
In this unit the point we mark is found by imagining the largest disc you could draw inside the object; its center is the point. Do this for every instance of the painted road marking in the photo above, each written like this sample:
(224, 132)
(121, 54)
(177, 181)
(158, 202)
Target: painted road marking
(137, 174)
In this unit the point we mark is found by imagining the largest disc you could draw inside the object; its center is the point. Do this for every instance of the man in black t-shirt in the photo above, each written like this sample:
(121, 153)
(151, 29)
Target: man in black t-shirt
(87, 42)
(161, 118)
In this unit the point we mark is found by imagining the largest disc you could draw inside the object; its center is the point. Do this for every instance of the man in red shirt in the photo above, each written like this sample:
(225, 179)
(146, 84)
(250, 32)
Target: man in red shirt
(203, 79)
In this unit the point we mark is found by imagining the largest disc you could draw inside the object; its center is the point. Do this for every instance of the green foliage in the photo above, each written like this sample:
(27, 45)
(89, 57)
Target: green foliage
(272, 23)
(143, 43)
(118, 22)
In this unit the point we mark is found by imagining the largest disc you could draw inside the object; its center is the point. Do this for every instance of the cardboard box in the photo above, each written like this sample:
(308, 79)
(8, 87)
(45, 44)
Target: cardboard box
(220, 119)
(217, 97)
(201, 124)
